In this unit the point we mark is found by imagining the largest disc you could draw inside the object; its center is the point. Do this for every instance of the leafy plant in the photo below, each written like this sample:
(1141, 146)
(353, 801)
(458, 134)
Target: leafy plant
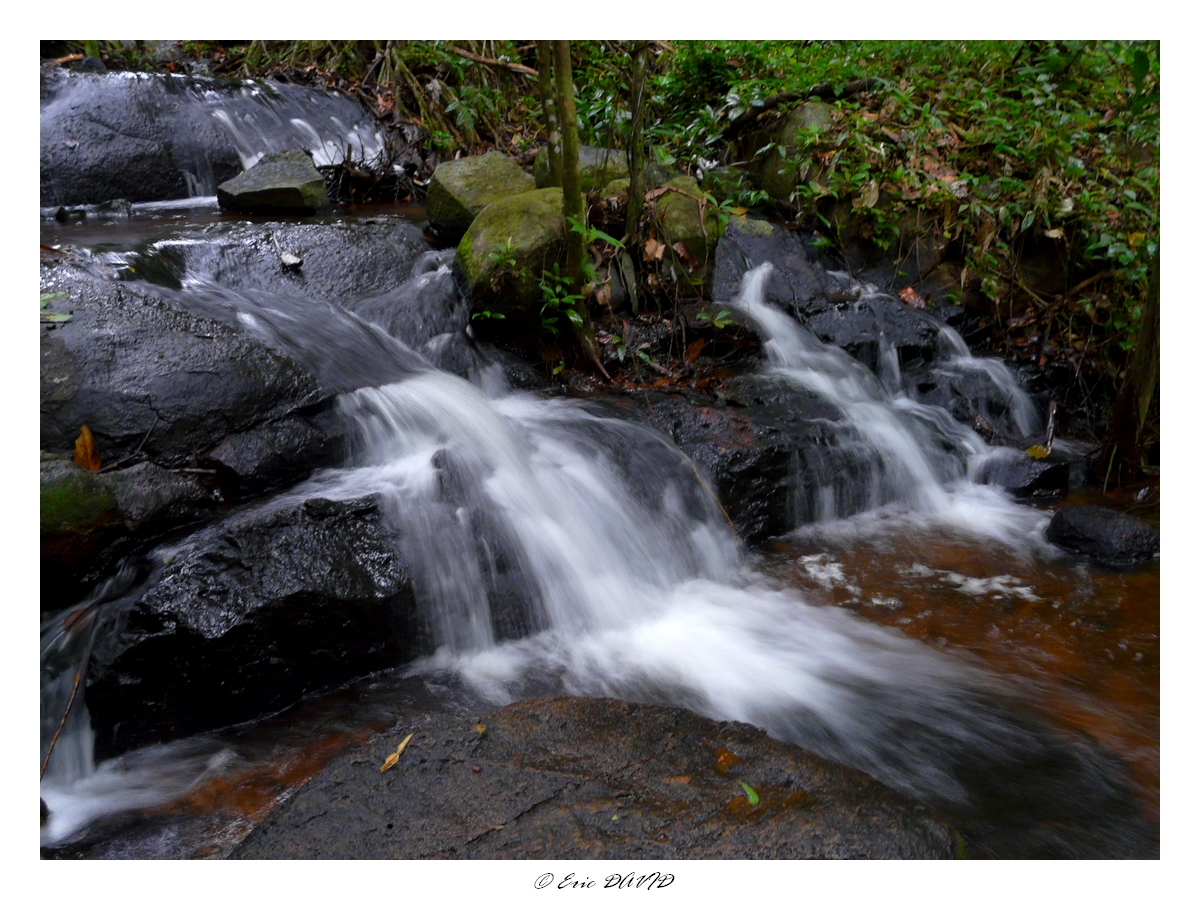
(719, 321)
(557, 301)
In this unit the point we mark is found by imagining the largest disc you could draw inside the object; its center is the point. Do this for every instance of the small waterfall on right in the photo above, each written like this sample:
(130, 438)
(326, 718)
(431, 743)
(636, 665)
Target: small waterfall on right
(894, 450)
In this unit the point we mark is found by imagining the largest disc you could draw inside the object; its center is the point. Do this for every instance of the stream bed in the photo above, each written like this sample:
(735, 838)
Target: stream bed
(920, 629)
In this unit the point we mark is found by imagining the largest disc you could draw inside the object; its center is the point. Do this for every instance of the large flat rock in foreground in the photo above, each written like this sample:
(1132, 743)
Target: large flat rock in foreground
(578, 778)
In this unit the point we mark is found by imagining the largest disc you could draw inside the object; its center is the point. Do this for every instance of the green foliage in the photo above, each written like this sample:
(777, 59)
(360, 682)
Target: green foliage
(557, 301)
(751, 794)
(719, 321)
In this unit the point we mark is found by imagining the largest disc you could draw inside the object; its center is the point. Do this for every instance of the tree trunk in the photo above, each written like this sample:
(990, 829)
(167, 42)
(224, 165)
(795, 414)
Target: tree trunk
(573, 202)
(637, 149)
(545, 60)
(1137, 391)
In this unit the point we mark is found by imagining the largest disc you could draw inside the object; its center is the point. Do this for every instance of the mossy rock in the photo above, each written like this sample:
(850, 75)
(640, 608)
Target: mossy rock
(73, 499)
(286, 181)
(677, 217)
(615, 188)
(597, 167)
(462, 188)
(777, 174)
(506, 249)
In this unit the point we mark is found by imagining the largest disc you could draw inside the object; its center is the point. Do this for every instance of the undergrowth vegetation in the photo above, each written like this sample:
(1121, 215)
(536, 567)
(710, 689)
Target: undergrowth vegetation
(1019, 156)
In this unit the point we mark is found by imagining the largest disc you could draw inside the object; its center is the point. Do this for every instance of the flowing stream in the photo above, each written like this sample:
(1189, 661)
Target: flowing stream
(556, 549)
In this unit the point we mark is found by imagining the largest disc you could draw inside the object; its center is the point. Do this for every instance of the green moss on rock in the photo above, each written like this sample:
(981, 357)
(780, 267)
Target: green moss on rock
(777, 174)
(508, 246)
(677, 215)
(462, 188)
(73, 499)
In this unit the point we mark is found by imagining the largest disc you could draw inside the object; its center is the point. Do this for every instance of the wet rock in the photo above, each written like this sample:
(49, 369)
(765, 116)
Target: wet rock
(1025, 477)
(276, 454)
(597, 167)
(577, 778)
(797, 280)
(1105, 536)
(875, 324)
(162, 137)
(147, 377)
(461, 188)
(678, 218)
(84, 513)
(425, 306)
(285, 181)
(244, 617)
(341, 260)
(767, 457)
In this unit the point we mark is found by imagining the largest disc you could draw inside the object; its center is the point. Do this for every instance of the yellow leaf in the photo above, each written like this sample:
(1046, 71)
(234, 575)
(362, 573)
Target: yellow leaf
(1037, 451)
(395, 757)
(86, 456)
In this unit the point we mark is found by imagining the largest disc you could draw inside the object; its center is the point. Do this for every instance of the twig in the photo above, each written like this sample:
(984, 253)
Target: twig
(122, 462)
(62, 722)
(511, 66)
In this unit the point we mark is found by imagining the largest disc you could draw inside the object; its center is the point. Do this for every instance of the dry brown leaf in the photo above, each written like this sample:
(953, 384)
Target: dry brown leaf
(86, 456)
(481, 728)
(656, 193)
(684, 255)
(395, 757)
(654, 250)
(912, 298)
(693, 350)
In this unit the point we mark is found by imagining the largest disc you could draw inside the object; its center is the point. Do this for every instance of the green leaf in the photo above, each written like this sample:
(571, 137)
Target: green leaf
(1027, 221)
(56, 318)
(50, 298)
(1141, 66)
(576, 318)
(751, 794)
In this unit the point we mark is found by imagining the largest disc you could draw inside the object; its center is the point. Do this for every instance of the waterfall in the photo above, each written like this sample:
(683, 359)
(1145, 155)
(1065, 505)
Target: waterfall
(556, 549)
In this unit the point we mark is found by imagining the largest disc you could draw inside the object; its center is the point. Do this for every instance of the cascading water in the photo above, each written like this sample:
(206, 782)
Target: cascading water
(558, 550)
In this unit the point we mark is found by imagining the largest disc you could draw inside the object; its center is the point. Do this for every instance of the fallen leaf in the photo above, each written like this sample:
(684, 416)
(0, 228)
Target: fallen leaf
(693, 350)
(869, 196)
(654, 250)
(751, 794)
(56, 318)
(1037, 451)
(86, 456)
(1054, 233)
(656, 193)
(684, 255)
(912, 298)
(395, 757)
(480, 727)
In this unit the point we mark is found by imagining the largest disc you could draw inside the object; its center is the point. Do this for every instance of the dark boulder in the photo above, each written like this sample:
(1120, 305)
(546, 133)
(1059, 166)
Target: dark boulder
(88, 519)
(282, 182)
(340, 260)
(1105, 536)
(798, 280)
(245, 617)
(161, 137)
(573, 778)
(276, 454)
(145, 376)
(1027, 478)
(775, 456)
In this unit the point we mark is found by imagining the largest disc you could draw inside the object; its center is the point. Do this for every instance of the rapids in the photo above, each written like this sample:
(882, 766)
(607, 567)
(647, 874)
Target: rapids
(556, 549)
